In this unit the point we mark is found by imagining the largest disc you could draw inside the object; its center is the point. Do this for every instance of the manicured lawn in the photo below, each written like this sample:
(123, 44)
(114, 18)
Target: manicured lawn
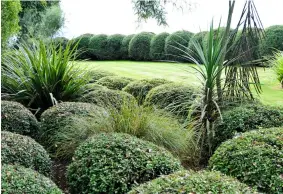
(272, 93)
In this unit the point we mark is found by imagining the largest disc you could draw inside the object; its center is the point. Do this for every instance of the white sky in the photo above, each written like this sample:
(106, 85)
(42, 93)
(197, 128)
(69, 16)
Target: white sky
(117, 16)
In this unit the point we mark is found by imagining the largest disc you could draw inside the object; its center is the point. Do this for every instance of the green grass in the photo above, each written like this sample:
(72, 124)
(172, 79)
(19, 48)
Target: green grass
(272, 93)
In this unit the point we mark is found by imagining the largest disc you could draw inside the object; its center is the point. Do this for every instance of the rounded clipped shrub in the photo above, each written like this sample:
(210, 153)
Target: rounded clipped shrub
(98, 47)
(98, 74)
(273, 40)
(157, 46)
(139, 46)
(198, 37)
(60, 115)
(18, 119)
(246, 118)
(140, 88)
(83, 45)
(254, 158)
(17, 179)
(23, 150)
(125, 46)
(107, 98)
(114, 163)
(173, 97)
(114, 43)
(114, 82)
(201, 182)
(91, 87)
(176, 43)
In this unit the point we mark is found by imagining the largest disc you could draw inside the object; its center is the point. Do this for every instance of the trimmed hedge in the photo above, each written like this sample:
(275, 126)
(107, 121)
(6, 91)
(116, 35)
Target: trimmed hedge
(113, 163)
(114, 82)
(91, 87)
(173, 97)
(174, 42)
(98, 74)
(246, 118)
(17, 179)
(125, 46)
(114, 44)
(139, 47)
(254, 158)
(59, 116)
(201, 182)
(98, 47)
(83, 45)
(273, 40)
(107, 98)
(60, 41)
(198, 37)
(157, 46)
(140, 88)
(23, 150)
(18, 119)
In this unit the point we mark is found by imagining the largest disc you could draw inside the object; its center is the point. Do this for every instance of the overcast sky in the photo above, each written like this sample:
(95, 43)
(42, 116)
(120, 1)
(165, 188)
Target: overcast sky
(117, 16)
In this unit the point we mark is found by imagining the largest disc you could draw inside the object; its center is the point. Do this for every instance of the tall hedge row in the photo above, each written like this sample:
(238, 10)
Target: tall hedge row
(147, 46)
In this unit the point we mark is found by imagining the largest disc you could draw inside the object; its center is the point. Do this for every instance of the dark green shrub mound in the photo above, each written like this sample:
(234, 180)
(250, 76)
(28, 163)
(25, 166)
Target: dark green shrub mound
(140, 88)
(59, 116)
(91, 87)
(201, 182)
(83, 45)
(246, 118)
(18, 119)
(198, 37)
(114, 44)
(113, 163)
(114, 82)
(98, 74)
(175, 43)
(157, 46)
(254, 158)
(139, 47)
(98, 47)
(107, 98)
(173, 97)
(125, 46)
(273, 40)
(23, 150)
(17, 179)
(60, 41)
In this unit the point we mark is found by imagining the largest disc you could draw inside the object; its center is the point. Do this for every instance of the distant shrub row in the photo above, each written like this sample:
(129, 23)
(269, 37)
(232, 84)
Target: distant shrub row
(147, 46)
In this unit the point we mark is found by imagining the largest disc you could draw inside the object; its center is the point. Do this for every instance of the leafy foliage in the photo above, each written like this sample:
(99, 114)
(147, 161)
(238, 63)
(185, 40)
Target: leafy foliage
(24, 151)
(119, 161)
(139, 46)
(140, 88)
(277, 64)
(175, 44)
(9, 20)
(125, 46)
(39, 75)
(201, 182)
(98, 47)
(114, 44)
(17, 179)
(254, 158)
(157, 46)
(82, 43)
(200, 38)
(18, 119)
(114, 82)
(273, 40)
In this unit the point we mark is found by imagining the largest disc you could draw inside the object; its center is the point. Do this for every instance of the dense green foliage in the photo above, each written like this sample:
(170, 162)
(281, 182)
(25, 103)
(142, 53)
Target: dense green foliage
(114, 44)
(113, 163)
(157, 46)
(277, 65)
(91, 87)
(9, 20)
(140, 88)
(125, 46)
(60, 115)
(246, 118)
(200, 38)
(254, 158)
(273, 40)
(18, 119)
(139, 46)
(83, 46)
(114, 82)
(176, 43)
(24, 151)
(17, 179)
(173, 97)
(95, 75)
(60, 41)
(98, 47)
(201, 182)
(41, 74)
